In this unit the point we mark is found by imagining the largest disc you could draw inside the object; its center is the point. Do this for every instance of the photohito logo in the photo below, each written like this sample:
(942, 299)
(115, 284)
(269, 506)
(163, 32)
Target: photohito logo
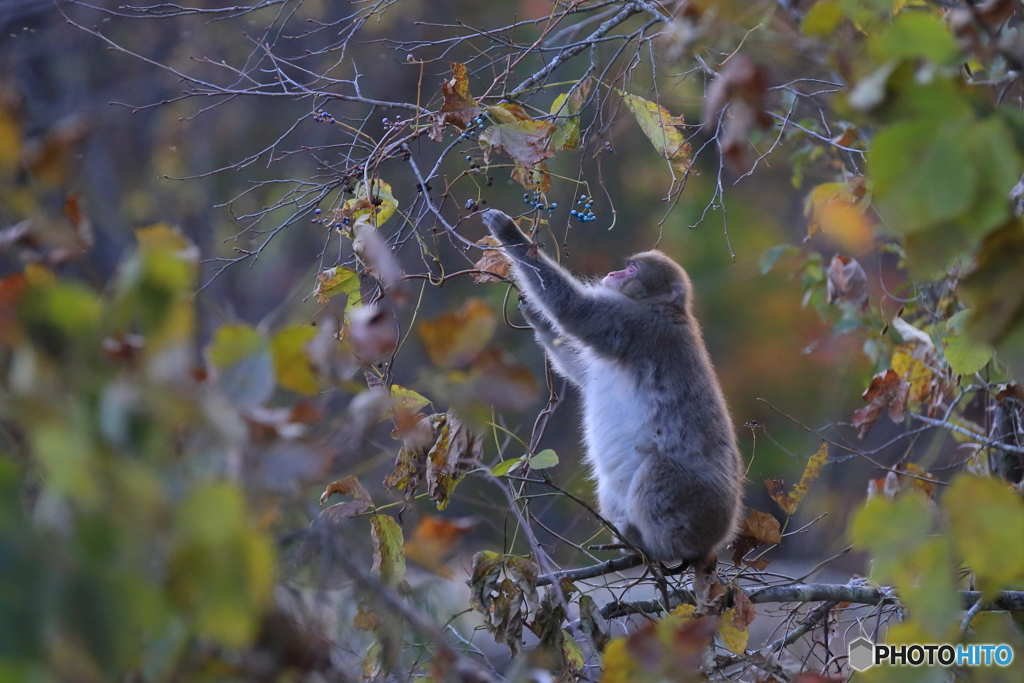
(864, 654)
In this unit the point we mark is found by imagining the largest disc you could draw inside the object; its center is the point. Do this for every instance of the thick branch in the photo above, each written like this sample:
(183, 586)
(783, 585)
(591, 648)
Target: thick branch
(814, 592)
(616, 565)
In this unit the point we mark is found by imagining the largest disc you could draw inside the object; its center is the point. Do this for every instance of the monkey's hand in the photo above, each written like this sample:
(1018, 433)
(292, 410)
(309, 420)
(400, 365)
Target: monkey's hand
(504, 229)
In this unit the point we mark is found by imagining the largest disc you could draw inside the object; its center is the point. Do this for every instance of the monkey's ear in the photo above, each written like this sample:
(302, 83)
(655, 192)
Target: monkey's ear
(504, 228)
(677, 298)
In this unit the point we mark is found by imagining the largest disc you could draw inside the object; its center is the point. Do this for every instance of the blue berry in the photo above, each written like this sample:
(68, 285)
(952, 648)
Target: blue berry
(573, 213)
(554, 205)
(469, 158)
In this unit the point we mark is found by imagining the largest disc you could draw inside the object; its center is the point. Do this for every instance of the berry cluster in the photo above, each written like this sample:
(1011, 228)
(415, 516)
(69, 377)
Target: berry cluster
(323, 117)
(536, 203)
(586, 215)
(472, 128)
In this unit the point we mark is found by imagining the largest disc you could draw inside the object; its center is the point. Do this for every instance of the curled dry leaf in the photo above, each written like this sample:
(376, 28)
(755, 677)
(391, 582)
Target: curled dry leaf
(756, 529)
(457, 338)
(349, 486)
(459, 107)
(887, 390)
(505, 602)
(493, 261)
(847, 282)
(790, 501)
(439, 449)
(376, 257)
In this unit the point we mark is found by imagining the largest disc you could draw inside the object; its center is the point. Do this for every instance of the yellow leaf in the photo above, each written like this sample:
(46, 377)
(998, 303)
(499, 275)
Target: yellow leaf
(916, 373)
(987, 524)
(790, 501)
(734, 639)
(662, 129)
(407, 399)
(291, 364)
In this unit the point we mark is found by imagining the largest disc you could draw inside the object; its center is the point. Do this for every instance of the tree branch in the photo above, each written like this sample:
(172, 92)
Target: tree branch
(814, 592)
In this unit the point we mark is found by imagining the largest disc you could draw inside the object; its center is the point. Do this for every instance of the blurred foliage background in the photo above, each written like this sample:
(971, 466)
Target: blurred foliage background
(175, 401)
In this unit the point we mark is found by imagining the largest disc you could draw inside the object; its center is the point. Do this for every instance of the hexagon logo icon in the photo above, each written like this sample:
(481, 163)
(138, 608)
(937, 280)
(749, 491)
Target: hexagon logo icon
(862, 654)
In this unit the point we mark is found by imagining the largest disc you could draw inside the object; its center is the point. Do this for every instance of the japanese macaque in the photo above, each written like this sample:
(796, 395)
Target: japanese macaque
(659, 439)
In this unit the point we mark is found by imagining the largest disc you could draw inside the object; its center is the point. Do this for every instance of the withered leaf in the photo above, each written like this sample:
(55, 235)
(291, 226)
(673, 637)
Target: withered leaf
(459, 107)
(847, 282)
(756, 529)
(887, 390)
(454, 452)
(504, 603)
(349, 486)
(527, 142)
(790, 501)
(492, 261)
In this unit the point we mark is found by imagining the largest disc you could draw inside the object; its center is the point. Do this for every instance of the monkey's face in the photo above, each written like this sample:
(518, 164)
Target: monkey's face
(651, 277)
(620, 280)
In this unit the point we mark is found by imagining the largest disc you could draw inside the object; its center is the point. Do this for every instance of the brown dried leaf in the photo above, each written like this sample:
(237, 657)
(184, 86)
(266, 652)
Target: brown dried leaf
(790, 501)
(528, 142)
(459, 107)
(453, 454)
(756, 529)
(497, 382)
(349, 486)
(492, 261)
(743, 85)
(457, 338)
(504, 603)
(847, 282)
(887, 390)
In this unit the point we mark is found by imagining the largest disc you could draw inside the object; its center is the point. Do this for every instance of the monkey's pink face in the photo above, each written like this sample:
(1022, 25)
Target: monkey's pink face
(617, 278)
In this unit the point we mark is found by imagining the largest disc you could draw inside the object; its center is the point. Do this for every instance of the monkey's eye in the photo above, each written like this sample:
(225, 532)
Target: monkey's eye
(631, 269)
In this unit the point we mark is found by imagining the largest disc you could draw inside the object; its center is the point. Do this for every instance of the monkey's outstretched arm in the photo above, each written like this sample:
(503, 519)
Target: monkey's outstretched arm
(563, 353)
(554, 291)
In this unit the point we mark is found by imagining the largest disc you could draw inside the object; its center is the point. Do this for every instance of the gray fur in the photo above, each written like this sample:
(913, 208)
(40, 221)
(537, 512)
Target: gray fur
(660, 441)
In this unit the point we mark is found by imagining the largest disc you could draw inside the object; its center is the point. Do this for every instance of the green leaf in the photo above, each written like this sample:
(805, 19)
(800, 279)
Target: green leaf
(221, 570)
(922, 173)
(993, 153)
(568, 105)
(388, 555)
(888, 529)
(232, 343)
(506, 466)
(915, 34)
(823, 19)
(407, 399)
(772, 256)
(964, 356)
(986, 521)
(291, 363)
(543, 460)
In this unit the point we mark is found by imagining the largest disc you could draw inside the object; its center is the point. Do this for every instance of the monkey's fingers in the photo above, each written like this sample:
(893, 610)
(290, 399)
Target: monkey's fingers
(504, 228)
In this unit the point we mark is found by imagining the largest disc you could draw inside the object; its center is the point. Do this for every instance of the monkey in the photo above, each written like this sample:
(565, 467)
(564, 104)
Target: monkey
(659, 439)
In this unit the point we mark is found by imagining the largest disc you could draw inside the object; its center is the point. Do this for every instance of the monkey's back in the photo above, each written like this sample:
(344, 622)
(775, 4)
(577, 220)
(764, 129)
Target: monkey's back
(661, 443)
